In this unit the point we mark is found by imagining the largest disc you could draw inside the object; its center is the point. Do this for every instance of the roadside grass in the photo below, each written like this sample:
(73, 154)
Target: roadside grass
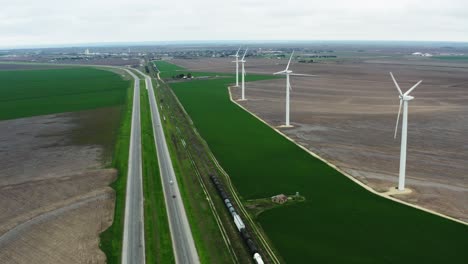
(340, 222)
(111, 239)
(25, 93)
(158, 241)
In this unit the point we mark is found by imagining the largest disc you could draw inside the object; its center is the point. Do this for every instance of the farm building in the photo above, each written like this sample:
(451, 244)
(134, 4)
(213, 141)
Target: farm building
(280, 198)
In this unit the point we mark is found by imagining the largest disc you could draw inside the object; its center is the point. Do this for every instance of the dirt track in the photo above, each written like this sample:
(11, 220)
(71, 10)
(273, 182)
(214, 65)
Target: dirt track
(54, 196)
(348, 114)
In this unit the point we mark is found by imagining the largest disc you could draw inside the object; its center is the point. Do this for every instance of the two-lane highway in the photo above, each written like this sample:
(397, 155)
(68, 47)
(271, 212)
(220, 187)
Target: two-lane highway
(133, 248)
(181, 234)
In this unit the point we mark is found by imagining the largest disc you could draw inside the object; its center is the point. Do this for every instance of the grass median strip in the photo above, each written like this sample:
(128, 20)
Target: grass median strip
(157, 233)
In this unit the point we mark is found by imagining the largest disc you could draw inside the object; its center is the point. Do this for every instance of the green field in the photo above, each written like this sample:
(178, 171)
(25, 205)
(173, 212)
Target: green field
(452, 58)
(26, 93)
(340, 222)
(167, 70)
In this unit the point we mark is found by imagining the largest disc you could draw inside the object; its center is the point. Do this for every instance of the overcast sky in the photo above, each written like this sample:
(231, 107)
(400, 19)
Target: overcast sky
(38, 22)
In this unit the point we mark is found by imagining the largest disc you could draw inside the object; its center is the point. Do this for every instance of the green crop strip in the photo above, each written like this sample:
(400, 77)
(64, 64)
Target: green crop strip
(26, 93)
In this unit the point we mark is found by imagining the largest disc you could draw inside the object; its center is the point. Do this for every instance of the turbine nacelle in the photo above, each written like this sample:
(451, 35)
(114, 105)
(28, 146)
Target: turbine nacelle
(406, 97)
(243, 57)
(236, 55)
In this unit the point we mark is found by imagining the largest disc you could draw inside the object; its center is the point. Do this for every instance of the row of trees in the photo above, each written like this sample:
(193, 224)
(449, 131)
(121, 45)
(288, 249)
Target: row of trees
(182, 76)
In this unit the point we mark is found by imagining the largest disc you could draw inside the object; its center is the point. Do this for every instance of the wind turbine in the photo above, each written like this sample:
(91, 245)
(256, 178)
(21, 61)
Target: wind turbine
(243, 74)
(288, 73)
(404, 99)
(237, 66)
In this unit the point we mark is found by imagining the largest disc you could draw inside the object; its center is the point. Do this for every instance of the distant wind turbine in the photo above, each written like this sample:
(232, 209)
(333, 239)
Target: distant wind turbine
(243, 74)
(288, 73)
(237, 66)
(404, 99)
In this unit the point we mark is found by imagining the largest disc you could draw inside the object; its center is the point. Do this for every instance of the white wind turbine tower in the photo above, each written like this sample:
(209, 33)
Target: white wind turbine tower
(243, 75)
(237, 66)
(404, 99)
(288, 73)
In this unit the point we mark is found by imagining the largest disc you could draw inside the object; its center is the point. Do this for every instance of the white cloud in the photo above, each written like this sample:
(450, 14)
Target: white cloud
(32, 22)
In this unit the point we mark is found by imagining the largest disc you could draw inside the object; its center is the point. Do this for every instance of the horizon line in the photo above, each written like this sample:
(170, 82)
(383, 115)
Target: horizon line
(181, 42)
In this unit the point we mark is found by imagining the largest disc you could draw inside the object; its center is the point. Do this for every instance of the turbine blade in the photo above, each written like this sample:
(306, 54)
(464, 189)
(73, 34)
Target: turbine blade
(237, 53)
(398, 119)
(280, 72)
(412, 88)
(301, 74)
(287, 67)
(245, 53)
(396, 84)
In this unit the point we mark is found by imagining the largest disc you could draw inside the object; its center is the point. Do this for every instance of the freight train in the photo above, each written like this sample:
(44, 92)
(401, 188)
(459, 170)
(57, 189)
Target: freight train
(253, 249)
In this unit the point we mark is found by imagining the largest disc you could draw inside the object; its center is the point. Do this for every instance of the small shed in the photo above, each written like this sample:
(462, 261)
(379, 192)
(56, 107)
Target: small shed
(280, 198)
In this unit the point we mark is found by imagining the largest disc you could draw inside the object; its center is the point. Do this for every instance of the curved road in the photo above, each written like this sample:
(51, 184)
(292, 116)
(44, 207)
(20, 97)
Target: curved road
(181, 234)
(133, 248)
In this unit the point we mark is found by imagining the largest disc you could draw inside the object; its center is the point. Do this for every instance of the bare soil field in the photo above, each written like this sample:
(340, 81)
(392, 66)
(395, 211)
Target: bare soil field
(347, 115)
(54, 194)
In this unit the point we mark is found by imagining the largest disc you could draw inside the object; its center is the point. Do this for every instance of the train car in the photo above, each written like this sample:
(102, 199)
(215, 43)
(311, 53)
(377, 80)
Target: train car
(239, 223)
(252, 247)
(224, 195)
(258, 259)
(245, 234)
(232, 210)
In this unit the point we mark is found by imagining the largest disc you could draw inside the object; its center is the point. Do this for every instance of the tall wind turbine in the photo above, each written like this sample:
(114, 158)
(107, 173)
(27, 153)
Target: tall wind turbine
(404, 99)
(237, 66)
(288, 73)
(243, 74)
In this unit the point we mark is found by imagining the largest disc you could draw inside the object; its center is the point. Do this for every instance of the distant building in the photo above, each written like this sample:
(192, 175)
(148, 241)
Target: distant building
(420, 54)
(280, 198)
(87, 52)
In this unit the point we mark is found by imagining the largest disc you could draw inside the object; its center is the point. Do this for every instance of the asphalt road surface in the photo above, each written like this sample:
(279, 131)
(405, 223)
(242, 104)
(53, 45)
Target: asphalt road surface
(133, 250)
(182, 240)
